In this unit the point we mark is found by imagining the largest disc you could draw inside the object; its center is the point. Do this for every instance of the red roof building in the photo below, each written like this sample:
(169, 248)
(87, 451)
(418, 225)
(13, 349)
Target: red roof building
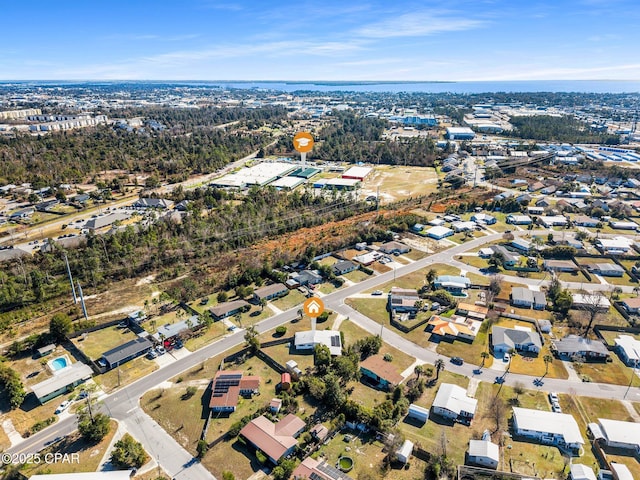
(275, 440)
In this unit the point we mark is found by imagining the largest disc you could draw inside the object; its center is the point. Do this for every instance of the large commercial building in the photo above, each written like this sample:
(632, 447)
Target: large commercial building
(460, 133)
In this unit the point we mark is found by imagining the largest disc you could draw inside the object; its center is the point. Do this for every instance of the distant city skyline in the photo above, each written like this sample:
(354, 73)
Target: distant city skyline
(456, 40)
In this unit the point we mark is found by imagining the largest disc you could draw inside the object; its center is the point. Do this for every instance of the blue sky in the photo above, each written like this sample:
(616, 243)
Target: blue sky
(328, 40)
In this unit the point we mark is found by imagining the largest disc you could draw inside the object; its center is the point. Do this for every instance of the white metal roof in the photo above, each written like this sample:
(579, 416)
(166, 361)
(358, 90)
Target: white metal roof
(582, 472)
(359, 172)
(618, 431)
(316, 337)
(548, 422)
(621, 471)
(454, 398)
(439, 231)
(484, 448)
(631, 347)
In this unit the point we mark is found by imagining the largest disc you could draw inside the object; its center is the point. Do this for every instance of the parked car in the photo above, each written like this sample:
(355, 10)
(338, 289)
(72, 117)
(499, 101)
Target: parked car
(152, 354)
(553, 397)
(161, 350)
(63, 406)
(377, 292)
(506, 357)
(555, 406)
(457, 360)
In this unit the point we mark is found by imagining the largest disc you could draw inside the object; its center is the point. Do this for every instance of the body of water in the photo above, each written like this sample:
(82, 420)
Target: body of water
(586, 86)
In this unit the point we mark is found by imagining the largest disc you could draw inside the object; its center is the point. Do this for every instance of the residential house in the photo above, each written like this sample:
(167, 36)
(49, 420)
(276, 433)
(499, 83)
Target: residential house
(549, 428)
(589, 300)
(228, 386)
(453, 403)
(228, 309)
(439, 232)
(367, 258)
(534, 187)
(452, 283)
(549, 190)
(543, 202)
(619, 225)
(535, 210)
(456, 327)
(270, 292)
(125, 352)
(159, 203)
(275, 440)
(573, 346)
(510, 259)
(167, 332)
(628, 348)
(585, 221)
(394, 247)
(379, 373)
(470, 310)
(275, 405)
(436, 222)
(22, 213)
(504, 339)
(64, 380)
(311, 468)
(519, 219)
(319, 432)
(483, 453)
(553, 221)
(620, 434)
(106, 220)
(463, 226)
(525, 298)
(521, 244)
(484, 218)
(342, 267)
(561, 266)
(307, 340)
(307, 277)
(613, 246)
(631, 305)
(402, 300)
(606, 269)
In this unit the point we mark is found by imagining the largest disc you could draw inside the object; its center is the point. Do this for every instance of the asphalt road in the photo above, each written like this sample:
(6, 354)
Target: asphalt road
(123, 405)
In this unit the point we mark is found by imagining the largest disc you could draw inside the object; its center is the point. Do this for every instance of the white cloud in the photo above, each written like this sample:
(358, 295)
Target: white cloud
(418, 25)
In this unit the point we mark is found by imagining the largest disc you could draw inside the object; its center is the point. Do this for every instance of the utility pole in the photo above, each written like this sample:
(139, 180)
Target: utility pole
(84, 307)
(73, 288)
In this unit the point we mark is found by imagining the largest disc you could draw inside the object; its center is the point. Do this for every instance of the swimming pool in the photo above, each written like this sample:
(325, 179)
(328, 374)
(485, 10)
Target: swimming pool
(58, 363)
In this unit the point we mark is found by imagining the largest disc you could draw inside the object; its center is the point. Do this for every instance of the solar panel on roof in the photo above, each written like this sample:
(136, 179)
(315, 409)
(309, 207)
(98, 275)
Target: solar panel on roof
(335, 341)
(333, 472)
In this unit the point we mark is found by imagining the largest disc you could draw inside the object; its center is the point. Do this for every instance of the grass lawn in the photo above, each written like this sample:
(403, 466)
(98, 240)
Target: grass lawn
(30, 412)
(415, 254)
(623, 280)
(416, 279)
(283, 353)
(573, 405)
(576, 277)
(183, 419)
(327, 288)
(356, 276)
(473, 260)
(233, 456)
(352, 333)
(469, 352)
(205, 336)
(94, 344)
(129, 373)
(294, 299)
(367, 396)
(595, 408)
(89, 455)
(523, 455)
(374, 308)
(329, 261)
(615, 372)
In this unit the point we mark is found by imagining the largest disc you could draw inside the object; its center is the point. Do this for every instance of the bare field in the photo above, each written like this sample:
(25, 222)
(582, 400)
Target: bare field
(396, 182)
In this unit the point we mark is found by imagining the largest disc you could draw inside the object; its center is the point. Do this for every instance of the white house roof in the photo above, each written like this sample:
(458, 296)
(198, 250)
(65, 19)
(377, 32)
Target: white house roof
(439, 231)
(484, 448)
(621, 471)
(582, 472)
(561, 424)
(454, 398)
(330, 338)
(590, 299)
(617, 431)
(631, 347)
